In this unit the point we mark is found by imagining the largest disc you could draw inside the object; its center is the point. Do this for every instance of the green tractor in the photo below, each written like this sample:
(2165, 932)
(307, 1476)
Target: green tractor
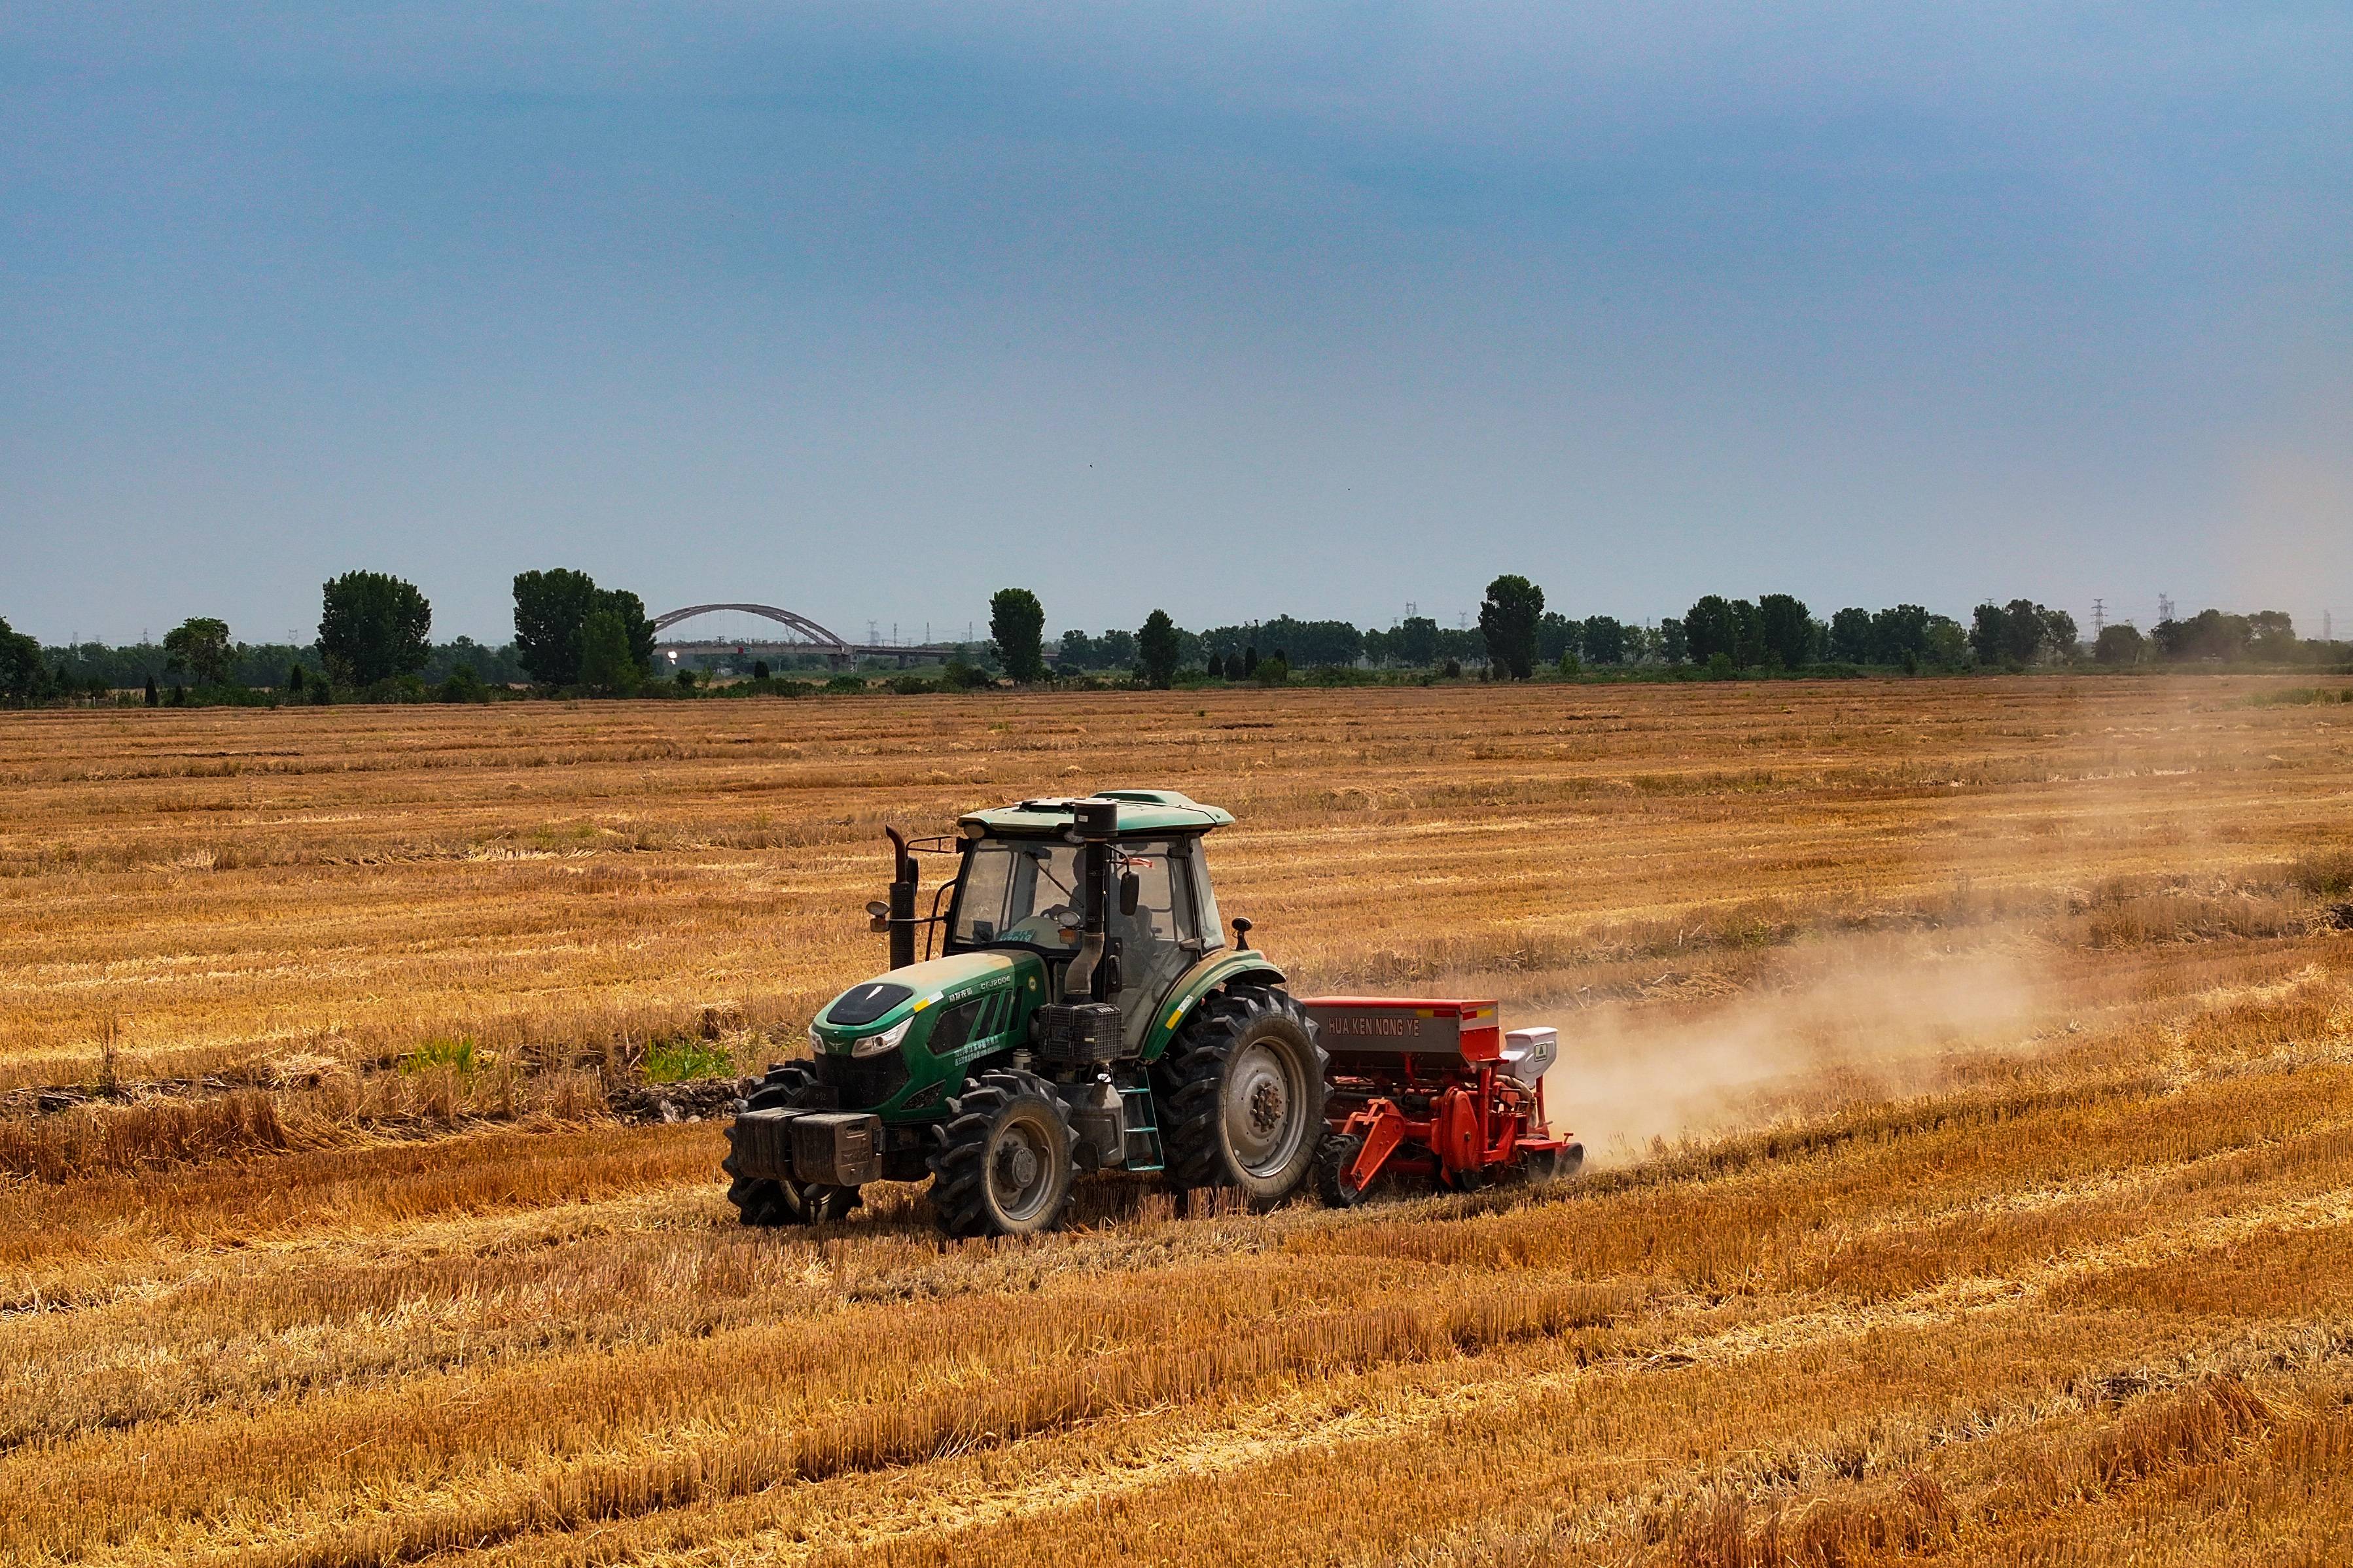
(1084, 1014)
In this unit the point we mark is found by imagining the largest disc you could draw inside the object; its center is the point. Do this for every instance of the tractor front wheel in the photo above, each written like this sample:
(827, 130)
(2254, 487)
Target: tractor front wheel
(1244, 1082)
(1003, 1163)
(785, 1201)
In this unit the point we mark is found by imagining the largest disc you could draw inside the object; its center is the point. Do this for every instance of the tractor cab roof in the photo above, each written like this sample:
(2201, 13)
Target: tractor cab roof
(1141, 811)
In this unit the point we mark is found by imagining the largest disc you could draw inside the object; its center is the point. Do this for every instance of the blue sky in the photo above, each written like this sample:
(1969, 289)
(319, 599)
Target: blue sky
(1230, 311)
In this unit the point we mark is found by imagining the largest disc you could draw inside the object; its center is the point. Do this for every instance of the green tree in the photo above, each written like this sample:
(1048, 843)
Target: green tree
(2060, 635)
(1017, 622)
(1415, 642)
(552, 611)
(1899, 635)
(1273, 670)
(1309, 643)
(636, 625)
(200, 645)
(1785, 630)
(1710, 627)
(1156, 645)
(551, 608)
(1508, 619)
(371, 627)
(1988, 632)
(24, 675)
(2274, 639)
(1675, 647)
(2208, 634)
(1558, 637)
(1943, 641)
(2120, 644)
(1603, 639)
(606, 664)
(1851, 637)
(1747, 635)
(2025, 630)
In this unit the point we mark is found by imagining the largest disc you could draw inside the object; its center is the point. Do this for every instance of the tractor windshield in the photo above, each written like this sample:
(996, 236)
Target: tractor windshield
(1019, 891)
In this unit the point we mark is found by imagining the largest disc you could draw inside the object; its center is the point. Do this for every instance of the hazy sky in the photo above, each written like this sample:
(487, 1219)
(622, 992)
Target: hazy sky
(868, 310)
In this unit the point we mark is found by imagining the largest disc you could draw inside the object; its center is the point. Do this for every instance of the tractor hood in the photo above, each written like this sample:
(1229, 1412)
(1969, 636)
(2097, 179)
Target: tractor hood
(887, 1003)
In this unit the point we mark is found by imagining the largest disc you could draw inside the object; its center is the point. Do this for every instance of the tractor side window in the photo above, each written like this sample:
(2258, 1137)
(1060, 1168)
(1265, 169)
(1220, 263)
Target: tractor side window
(1155, 916)
(1180, 894)
(1211, 930)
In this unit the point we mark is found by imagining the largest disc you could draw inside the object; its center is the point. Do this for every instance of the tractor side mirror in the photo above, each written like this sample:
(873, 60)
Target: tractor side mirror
(1131, 888)
(879, 914)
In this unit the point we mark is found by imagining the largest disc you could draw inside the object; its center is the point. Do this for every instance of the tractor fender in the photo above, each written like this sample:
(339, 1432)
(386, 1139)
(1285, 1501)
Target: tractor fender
(1218, 969)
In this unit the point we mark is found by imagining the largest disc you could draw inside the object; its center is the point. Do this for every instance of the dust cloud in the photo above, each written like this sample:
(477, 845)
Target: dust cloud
(1841, 1024)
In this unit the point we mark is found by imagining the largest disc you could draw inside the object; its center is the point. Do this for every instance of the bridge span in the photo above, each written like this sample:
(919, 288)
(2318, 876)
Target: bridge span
(807, 636)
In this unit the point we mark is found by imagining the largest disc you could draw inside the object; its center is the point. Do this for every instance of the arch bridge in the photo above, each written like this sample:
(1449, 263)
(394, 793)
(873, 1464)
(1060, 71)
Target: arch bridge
(808, 637)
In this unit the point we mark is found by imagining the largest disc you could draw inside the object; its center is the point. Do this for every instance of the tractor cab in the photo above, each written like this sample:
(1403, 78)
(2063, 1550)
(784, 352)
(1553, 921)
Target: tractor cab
(1111, 893)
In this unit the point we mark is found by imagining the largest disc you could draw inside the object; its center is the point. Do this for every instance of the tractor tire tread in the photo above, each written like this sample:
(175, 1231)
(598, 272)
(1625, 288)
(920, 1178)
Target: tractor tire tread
(959, 1198)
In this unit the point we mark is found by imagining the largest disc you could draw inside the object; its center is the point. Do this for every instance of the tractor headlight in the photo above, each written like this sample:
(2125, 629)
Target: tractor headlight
(888, 1040)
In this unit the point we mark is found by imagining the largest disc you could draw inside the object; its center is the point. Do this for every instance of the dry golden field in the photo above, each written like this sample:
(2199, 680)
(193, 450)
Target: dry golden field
(1969, 1067)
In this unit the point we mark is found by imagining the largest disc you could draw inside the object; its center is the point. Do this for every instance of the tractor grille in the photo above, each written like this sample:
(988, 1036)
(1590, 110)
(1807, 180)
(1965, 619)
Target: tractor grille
(863, 1084)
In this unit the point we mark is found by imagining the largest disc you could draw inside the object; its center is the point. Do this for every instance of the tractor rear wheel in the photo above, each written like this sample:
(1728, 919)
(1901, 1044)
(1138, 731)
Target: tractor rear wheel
(1244, 1082)
(1003, 1163)
(783, 1200)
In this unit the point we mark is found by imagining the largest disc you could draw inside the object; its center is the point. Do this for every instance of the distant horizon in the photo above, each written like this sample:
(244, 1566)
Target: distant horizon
(2318, 629)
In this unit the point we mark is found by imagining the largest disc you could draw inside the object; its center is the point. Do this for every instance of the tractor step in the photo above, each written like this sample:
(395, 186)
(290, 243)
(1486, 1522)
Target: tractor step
(1143, 1129)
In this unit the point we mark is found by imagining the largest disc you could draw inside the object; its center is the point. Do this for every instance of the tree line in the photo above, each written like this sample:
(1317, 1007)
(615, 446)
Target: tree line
(572, 635)
(1517, 636)
(373, 642)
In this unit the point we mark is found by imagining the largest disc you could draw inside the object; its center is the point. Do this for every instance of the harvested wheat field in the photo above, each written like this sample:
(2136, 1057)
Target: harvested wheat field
(1968, 1066)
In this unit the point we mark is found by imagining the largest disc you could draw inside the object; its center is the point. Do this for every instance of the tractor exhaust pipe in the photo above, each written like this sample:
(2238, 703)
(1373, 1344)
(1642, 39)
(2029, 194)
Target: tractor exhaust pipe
(901, 916)
(1092, 824)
